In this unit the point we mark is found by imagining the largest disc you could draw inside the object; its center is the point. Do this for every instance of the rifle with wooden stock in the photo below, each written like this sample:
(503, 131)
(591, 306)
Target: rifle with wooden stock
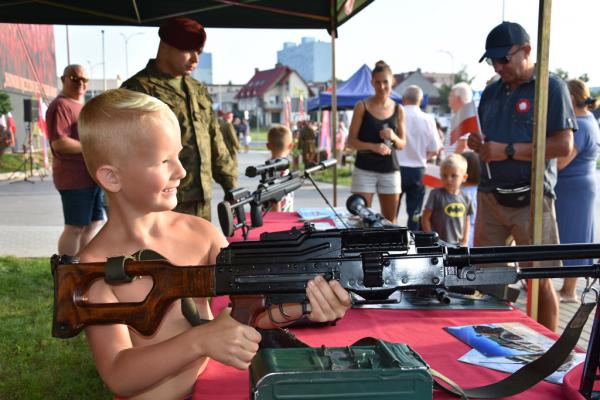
(370, 263)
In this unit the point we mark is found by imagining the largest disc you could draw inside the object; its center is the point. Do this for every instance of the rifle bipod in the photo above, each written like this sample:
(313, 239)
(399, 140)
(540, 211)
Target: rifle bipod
(592, 358)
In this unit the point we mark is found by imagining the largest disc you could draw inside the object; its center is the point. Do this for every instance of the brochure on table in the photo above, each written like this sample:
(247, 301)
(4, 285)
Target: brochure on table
(508, 346)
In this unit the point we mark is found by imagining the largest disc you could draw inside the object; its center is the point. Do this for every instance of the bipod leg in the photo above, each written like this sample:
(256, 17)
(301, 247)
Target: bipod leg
(592, 359)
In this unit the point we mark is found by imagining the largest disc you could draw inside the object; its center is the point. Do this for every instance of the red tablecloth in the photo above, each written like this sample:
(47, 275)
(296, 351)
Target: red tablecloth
(421, 329)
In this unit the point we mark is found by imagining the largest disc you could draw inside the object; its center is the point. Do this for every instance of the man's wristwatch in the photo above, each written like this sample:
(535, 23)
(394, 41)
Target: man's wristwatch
(509, 150)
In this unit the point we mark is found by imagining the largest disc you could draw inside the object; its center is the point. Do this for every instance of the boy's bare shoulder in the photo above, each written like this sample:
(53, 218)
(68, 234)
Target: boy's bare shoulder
(197, 237)
(196, 226)
(93, 252)
(181, 238)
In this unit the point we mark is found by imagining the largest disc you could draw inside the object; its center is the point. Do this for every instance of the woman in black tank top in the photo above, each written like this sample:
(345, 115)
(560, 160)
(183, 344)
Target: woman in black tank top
(376, 130)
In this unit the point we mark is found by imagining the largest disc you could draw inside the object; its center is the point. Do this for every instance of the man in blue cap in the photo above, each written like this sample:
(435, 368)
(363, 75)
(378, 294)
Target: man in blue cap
(506, 115)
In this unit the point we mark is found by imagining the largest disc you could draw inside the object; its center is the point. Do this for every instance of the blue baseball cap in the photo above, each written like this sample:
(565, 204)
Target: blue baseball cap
(502, 38)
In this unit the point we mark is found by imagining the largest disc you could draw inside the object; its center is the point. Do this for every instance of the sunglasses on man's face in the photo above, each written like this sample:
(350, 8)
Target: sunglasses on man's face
(77, 79)
(503, 60)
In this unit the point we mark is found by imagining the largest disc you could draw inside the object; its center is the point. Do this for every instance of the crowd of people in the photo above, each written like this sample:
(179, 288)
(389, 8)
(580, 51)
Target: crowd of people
(486, 174)
(156, 145)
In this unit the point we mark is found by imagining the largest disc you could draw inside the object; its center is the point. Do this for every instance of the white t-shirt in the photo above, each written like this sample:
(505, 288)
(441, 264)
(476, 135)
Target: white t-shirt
(421, 138)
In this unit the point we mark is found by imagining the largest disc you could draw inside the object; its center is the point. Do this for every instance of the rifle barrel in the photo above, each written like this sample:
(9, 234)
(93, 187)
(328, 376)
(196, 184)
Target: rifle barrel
(588, 271)
(486, 255)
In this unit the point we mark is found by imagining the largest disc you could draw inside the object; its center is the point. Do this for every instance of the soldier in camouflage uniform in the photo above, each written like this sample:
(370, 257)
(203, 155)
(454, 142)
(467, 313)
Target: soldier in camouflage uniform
(204, 155)
(230, 136)
(307, 143)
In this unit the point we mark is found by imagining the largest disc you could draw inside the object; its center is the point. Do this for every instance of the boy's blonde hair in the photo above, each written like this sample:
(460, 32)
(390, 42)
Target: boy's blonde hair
(109, 124)
(456, 161)
(279, 137)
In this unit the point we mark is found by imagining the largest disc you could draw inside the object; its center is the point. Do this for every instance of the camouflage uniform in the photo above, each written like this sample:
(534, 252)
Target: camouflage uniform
(230, 138)
(307, 143)
(204, 155)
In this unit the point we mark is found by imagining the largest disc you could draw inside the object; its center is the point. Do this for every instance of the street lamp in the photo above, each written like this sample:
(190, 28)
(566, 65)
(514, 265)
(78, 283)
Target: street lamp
(126, 39)
(92, 75)
(103, 62)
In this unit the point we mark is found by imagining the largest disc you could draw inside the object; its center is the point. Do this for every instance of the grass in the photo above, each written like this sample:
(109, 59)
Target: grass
(260, 136)
(33, 364)
(344, 175)
(10, 162)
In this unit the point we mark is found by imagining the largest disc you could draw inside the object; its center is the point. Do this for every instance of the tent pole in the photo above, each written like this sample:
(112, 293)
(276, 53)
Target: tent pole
(539, 140)
(69, 47)
(333, 117)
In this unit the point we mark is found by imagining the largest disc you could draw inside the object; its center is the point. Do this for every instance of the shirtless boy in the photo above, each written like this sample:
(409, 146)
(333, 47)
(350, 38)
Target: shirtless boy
(131, 144)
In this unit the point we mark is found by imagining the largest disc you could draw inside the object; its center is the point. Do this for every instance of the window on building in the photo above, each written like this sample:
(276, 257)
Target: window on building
(276, 117)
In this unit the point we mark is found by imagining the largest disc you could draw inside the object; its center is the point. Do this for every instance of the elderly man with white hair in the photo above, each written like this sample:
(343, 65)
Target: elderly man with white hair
(422, 143)
(459, 95)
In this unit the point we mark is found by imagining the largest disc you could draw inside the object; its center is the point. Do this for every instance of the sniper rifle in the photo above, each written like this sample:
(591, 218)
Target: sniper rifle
(271, 189)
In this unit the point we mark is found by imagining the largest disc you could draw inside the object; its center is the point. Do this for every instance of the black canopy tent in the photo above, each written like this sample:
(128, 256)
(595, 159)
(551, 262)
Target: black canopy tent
(314, 14)
(323, 14)
(271, 14)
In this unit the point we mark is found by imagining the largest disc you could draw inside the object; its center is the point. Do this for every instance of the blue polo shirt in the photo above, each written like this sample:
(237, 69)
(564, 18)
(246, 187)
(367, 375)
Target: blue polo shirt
(507, 117)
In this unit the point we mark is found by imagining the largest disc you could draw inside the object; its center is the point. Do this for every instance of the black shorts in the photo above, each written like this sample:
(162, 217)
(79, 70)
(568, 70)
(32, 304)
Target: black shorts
(82, 206)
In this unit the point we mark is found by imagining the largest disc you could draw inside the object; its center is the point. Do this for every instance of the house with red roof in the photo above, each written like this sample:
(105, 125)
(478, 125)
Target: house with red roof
(268, 92)
(429, 82)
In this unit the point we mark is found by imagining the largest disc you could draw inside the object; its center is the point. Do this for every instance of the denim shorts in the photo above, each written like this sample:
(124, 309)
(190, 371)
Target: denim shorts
(364, 181)
(82, 206)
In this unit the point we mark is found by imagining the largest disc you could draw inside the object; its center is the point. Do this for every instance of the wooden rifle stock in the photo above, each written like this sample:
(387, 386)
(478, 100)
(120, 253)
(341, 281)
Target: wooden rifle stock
(73, 311)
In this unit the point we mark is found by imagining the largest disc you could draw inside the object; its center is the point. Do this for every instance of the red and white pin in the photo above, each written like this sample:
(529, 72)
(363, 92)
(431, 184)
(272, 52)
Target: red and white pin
(523, 106)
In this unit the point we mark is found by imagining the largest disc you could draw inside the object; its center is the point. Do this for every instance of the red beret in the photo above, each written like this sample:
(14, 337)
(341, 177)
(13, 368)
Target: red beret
(183, 33)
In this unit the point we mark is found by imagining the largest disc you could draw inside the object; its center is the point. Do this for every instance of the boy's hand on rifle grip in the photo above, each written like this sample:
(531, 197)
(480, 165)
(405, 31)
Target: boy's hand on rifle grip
(230, 342)
(328, 300)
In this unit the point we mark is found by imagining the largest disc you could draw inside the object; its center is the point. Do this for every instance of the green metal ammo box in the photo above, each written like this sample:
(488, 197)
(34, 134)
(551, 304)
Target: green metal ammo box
(381, 371)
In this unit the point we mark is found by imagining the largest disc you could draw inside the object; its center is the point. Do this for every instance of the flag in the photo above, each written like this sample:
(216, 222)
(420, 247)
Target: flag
(324, 136)
(41, 123)
(286, 111)
(301, 107)
(464, 121)
(12, 128)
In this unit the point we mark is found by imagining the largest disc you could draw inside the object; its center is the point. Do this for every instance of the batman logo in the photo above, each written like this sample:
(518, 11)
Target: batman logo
(455, 210)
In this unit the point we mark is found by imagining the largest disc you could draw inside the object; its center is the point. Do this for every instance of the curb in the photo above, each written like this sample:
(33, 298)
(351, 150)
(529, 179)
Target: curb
(20, 175)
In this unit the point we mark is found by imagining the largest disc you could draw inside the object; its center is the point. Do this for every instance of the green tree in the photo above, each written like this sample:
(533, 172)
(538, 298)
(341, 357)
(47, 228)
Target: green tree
(5, 106)
(460, 76)
(564, 75)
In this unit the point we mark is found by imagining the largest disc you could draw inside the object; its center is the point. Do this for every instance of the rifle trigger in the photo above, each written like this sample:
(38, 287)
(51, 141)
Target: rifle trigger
(115, 270)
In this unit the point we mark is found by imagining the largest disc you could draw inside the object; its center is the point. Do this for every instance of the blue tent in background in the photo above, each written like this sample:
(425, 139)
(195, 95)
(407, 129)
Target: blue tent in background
(355, 89)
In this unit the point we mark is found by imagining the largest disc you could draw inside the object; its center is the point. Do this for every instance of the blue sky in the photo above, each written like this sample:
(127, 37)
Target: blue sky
(434, 35)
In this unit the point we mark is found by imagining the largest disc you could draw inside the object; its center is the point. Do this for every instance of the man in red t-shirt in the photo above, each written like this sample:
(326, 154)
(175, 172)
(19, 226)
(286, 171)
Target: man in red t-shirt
(82, 201)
